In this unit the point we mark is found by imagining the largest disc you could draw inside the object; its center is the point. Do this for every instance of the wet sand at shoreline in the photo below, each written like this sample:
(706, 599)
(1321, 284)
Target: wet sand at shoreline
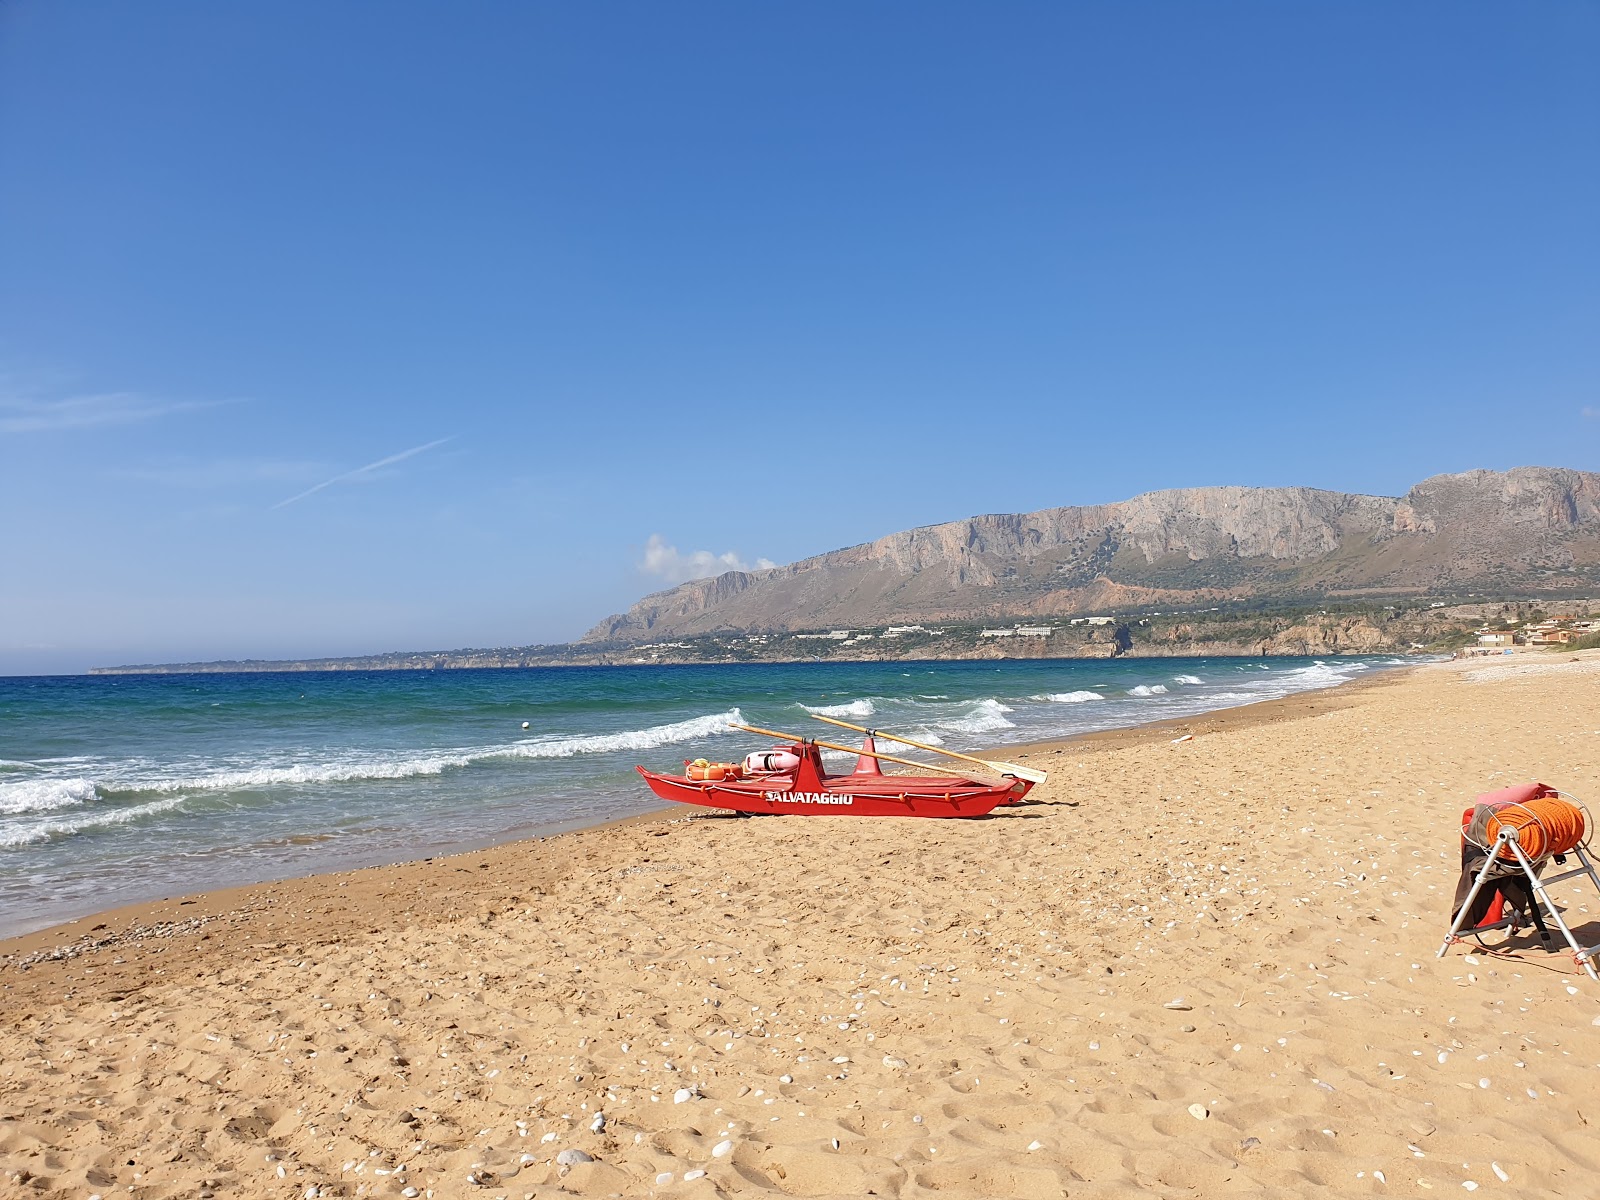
(1196, 968)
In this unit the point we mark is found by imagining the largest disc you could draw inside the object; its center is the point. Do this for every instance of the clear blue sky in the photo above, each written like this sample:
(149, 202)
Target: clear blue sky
(526, 285)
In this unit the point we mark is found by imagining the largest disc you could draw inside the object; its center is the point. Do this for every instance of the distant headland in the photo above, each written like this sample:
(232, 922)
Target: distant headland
(1195, 571)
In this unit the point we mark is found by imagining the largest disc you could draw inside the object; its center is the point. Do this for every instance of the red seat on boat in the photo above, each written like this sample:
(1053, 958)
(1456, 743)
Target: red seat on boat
(866, 764)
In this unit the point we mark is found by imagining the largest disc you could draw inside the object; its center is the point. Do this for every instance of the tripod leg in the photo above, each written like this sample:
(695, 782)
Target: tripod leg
(1543, 896)
(1466, 905)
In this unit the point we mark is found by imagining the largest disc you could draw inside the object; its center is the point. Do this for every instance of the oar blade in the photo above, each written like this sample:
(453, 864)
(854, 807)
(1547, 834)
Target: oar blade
(1027, 773)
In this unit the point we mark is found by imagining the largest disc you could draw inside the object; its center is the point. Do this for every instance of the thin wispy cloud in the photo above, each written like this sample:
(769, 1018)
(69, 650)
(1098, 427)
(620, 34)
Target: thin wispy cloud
(25, 414)
(1590, 411)
(224, 472)
(674, 566)
(360, 471)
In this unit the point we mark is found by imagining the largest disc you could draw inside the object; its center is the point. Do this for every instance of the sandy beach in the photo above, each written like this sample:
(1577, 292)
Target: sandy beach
(1194, 968)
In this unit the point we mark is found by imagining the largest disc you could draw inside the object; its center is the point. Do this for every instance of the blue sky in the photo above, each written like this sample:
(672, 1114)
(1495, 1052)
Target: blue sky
(346, 328)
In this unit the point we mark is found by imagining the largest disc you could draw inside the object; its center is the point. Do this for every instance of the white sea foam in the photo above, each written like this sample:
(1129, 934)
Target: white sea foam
(1154, 689)
(44, 795)
(633, 739)
(345, 770)
(1082, 697)
(1321, 674)
(981, 716)
(31, 834)
(1191, 680)
(354, 768)
(855, 708)
(985, 716)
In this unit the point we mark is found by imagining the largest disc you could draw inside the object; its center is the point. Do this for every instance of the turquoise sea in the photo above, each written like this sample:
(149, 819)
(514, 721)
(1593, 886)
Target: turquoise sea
(117, 789)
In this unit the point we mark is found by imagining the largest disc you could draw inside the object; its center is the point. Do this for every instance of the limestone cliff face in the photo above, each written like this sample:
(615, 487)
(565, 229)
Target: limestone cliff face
(1530, 528)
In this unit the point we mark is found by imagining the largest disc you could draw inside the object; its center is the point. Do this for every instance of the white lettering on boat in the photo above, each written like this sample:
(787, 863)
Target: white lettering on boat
(810, 798)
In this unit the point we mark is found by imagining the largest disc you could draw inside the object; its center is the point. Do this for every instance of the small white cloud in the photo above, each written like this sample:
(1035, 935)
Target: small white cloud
(1590, 411)
(672, 565)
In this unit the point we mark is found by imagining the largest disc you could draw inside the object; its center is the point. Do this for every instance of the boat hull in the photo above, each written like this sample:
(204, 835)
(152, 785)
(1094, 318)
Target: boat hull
(842, 795)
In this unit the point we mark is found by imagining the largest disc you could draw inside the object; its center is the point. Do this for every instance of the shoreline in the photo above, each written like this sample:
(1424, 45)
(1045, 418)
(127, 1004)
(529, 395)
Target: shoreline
(1200, 967)
(424, 884)
(980, 655)
(208, 904)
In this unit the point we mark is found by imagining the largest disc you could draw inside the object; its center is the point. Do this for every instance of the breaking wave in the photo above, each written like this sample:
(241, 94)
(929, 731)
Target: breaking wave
(47, 831)
(855, 708)
(1190, 680)
(302, 773)
(633, 739)
(1072, 697)
(1321, 674)
(1153, 689)
(44, 795)
(981, 716)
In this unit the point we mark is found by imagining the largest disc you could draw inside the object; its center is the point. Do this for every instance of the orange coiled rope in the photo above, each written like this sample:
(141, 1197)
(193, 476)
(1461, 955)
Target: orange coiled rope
(1544, 827)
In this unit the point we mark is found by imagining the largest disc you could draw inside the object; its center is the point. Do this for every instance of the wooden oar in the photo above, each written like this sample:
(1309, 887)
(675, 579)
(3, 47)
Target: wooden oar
(1004, 768)
(789, 737)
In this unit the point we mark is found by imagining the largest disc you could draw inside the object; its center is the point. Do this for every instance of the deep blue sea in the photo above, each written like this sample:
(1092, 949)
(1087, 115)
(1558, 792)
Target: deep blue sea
(118, 789)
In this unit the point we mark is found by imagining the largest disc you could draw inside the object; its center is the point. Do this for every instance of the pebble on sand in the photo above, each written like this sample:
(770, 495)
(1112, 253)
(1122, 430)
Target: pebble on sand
(1199, 1112)
(571, 1158)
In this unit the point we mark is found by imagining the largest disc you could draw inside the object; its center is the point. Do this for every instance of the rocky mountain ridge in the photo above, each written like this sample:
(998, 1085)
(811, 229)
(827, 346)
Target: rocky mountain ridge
(1528, 531)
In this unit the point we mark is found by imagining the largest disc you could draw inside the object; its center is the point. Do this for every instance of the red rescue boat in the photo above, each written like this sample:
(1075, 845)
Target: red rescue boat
(791, 778)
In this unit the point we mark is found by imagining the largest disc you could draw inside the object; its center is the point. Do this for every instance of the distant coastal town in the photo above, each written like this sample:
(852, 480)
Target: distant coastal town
(1433, 627)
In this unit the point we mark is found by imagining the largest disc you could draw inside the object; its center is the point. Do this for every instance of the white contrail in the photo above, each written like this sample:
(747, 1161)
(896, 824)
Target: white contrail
(372, 466)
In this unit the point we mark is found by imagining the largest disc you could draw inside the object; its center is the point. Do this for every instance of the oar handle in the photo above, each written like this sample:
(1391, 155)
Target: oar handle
(905, 762)
(904, 741)
(1001, 768)
(787, 737)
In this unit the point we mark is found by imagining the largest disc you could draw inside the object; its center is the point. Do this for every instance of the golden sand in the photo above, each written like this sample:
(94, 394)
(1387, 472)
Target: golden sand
(1199, 968)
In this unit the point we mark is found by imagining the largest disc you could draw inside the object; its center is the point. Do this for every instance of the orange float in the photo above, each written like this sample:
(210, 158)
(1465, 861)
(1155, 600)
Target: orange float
(1546, 826)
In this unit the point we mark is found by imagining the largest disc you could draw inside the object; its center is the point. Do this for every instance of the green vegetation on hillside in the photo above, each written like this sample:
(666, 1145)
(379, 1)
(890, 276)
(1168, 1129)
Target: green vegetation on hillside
(1254, 628)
